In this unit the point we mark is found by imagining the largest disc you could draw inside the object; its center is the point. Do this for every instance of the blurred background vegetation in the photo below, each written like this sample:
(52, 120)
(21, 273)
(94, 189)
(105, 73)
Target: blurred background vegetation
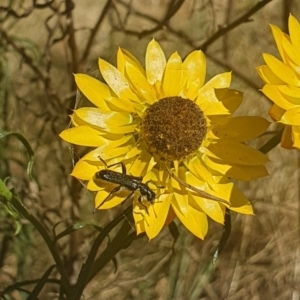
(42, 42)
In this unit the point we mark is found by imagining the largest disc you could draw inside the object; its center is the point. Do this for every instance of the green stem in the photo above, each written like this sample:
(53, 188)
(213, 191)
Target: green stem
(52, 248)
(88, 269)
(271, 143)
(121, 241)
(30, 152)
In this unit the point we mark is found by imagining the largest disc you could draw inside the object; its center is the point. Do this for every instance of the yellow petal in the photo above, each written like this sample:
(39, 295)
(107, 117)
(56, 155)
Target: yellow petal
(92, 186)
(180, 172)
(291, 93)
(117, 81)
(235, 153)
(272, 92)
(151, 164)
(180, 201)
(172, 80)
(132, 153)
(195, 221)
(111, 122)
(84, 136)
(240, 172)
(155, 175)
(291, 117)
(129, 129)
(218, 82)
(199, 170)
(247, 173)
(202, 188)
(278, 35)
(157, 216)
(140, 83)
(107, 152)
(211, 208)
(139, 215)
(291, 51)
(124, 57)
(84, 170)
(122, 105)
(286, 139)
(96, 91)
(276, 112)
(207, 98)
(101, 118)
(268, 76)
(294, 30)
(284, 72)
(230, 98)
(174, 184)
(110, 145)
(155, 62)
(293, 66)
(211, 109)
(140, 165)
(112, 202)
(194, 71)
(139, 225)
(242, 128)
(239, 203)
(296, 136)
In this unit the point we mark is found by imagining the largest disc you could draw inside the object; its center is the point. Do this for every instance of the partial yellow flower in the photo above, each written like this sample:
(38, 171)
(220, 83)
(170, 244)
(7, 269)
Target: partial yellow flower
(162, 121)
(282, 78)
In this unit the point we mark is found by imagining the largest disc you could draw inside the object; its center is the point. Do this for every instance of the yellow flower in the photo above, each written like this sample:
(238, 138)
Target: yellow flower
(169, 127)
(282, 80)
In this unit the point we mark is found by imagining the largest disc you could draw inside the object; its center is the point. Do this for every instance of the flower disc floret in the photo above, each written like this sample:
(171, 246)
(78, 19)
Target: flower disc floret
(173, 128)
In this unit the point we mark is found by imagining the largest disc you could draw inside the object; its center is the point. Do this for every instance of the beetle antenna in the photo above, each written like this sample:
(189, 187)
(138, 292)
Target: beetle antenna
(154, 210)
(104, 162)
(200, 192)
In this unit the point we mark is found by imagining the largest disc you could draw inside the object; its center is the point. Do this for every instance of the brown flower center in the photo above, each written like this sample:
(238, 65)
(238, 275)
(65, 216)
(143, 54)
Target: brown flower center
(173, 128)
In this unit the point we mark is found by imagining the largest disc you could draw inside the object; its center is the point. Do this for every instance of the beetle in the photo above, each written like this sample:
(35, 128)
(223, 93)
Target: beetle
(128, 182)
(200, 192)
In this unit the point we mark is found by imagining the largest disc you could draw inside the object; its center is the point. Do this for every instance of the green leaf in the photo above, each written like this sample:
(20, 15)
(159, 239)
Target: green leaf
(225, 236)
(6, 197)
(42, 281)
(24, 141)
(174, 232)
(72, 228)
(272, 143)
(4, 190)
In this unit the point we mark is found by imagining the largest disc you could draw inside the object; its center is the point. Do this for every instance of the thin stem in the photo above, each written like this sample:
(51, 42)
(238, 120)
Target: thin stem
(51, 246)
(243, 19)
(272, 143)
(86, 273)
(94, 31)
(25, 57)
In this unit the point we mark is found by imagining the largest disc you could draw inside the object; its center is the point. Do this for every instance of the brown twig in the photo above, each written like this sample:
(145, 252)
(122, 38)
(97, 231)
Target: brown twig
(173, 9)
(26, 58)
(243, 19)
(72, 40)
(94, 31)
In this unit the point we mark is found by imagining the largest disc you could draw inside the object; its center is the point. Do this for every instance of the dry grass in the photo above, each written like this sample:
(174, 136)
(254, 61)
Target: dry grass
(261, 259)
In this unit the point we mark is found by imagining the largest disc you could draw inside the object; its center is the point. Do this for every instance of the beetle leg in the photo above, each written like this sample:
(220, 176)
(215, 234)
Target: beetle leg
(115, 190)
(118, 163)
(128, 197)
(140, 201)
(154, 183)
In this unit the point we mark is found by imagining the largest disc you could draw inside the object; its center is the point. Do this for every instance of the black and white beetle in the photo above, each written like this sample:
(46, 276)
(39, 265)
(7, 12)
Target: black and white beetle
(128, 182)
